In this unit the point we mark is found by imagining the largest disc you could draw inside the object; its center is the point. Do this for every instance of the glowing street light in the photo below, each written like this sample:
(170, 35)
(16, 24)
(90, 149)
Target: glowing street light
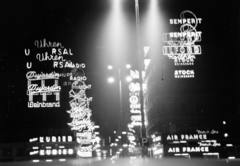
(110, 67)
(111, 80)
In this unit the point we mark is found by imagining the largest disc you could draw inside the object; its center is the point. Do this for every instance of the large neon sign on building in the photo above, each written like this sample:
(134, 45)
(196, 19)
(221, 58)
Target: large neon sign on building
(46, 84)
(80, 113)
(181, 45)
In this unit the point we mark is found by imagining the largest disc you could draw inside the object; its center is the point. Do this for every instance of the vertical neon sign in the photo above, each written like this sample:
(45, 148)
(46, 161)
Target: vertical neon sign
(81, 116)
(181, 45)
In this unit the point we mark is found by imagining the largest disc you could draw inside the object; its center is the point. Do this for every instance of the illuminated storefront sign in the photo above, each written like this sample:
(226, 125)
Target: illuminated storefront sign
(199, 143)
(187, 137)
(38, 83)
(187, 149)
(52, 139)
(48, 152)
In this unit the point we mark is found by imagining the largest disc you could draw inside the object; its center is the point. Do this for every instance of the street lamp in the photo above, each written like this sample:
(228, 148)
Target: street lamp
(111, 80)
(140, 67)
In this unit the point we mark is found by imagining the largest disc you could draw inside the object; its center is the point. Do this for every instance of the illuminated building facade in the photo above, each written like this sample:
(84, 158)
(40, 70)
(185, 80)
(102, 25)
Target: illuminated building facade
(193, 116)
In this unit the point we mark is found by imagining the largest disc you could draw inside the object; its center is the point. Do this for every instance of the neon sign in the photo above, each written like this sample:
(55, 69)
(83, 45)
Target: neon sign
(187, 137)
(43, 152)
(188, 149)
(52, 139)
(185, 21)
(207, 132)
(45, 57)
(184, 73)
(43, 104)
(57, 54)
(33, 89)
(81, 114)
(32, 75)
(210, 143)
(67, 64)
(181, 45)
(45, 44)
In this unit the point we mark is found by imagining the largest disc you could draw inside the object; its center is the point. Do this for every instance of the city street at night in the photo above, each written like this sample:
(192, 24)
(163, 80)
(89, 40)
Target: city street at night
(123, 82)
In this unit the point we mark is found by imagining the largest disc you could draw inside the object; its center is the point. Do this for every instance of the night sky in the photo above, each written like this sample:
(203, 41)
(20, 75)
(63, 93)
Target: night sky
(87, 28)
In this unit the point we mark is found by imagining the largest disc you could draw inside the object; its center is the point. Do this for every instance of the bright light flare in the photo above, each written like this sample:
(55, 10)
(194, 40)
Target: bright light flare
(128, 66)
(110, 67)
(128, 78)
(111, 80)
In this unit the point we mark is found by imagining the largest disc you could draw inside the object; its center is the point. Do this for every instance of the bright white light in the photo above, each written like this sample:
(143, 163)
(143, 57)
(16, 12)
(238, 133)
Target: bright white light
(231, 157)
(128, 78)
(224, 122)
(146, 49)
(125, 145)
(225, 134)
(128, 66)
(35, 147)
(124, 132)
(70, 151)
(49, 160)
(110, 67)
(111, 80)
(35, 161)
(62, 159)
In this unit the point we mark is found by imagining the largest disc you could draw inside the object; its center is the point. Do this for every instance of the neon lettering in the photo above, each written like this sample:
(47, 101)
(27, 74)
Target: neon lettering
(29, 66)
(32, 75)
(27, 52)
(43, 104)
(45, 44)
(61, 52)
(45, 57)
(34, 89)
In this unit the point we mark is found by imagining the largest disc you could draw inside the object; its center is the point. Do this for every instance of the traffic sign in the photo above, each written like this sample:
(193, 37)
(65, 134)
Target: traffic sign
(144, 141)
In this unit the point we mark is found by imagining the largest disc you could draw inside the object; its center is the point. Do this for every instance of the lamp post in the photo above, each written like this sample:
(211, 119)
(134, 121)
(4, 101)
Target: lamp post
(140, 68)
(111, 80)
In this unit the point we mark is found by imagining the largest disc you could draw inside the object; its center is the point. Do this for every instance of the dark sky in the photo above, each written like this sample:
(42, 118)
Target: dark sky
(82, 25)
